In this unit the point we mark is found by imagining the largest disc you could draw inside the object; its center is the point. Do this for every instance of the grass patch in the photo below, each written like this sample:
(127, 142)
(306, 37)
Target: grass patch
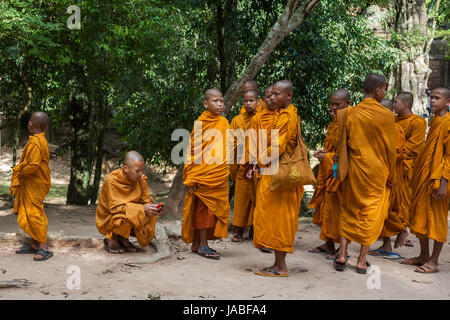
(56, 191)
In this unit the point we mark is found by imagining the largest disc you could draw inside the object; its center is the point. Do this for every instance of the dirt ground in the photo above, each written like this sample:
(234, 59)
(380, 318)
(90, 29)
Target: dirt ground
(184, 275)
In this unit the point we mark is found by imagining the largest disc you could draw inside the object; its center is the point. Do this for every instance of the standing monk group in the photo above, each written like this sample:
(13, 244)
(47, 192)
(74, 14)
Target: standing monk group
(378, 176)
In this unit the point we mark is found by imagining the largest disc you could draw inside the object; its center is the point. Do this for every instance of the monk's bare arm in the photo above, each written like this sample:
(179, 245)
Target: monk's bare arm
(32, 160)
(283, 131)
(442, 191)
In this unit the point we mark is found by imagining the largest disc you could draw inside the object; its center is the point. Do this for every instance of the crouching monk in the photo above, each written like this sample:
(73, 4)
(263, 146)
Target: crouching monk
(125, 207)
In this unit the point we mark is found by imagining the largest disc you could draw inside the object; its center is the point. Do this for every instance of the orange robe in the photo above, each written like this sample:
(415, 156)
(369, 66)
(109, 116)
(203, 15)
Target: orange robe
(244, 189)
(414, 128)
(370, 130)
(30, 184)
(120, 208)
(275, 220)
(325, 199)
(428, 216)
(261, 106)
(207, 207)
(397, 221)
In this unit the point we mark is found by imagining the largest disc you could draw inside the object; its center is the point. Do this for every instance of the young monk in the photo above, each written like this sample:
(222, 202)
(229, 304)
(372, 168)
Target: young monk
(415, 128)
(244, 192)
(325, 199)
(253, 86)
(429, 206)
(267, 95)
(275, 219)
(396, 221)
(367, 136)
(126, 208)
(30, 184)
(206, 208)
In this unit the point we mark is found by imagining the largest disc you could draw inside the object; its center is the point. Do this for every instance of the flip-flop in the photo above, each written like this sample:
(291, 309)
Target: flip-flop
(409, 243)
(207, 253)
(317, 250)
(425, 268)
(334, 258)
(26, 249)
(393, 256)
(363, 270)
(339, 266)
(44, 253)
(378, 253)
(272, 273)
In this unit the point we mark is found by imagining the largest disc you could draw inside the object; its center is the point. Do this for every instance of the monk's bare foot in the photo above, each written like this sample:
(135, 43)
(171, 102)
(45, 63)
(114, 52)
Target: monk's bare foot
(417, 261)
(113, 246)
(401, 239)
(428, 267)
(320, 249)
(381, 251)
(237, 238)
(129, 247)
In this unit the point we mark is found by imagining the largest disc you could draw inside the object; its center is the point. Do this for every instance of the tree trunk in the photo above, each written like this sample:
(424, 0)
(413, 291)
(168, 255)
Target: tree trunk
(290, 19)
(81, 152)
(102, 122)
(412, 73)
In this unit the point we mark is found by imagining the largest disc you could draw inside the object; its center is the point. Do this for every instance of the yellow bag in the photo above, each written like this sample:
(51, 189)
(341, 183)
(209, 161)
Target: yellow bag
(294, 168)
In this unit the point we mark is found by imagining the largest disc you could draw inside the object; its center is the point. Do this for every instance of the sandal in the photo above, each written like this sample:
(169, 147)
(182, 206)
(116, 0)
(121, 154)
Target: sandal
(317, 250)
(208, 253)
(271, 273)
(25, 249)
(378, 253)
(363, 270)
(44, 253)
(426, 268)
(339, 266)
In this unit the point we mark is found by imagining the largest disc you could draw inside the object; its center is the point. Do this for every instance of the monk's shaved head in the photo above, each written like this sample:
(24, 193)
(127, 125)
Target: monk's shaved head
(342, 94)
(251, 93)
(131, 157)
(250, 85)
(269, 88)
(444, 91)
(387, 104)
(40, 120)
(372, 82)
(406, 97)
(211, 92)
(285, 85)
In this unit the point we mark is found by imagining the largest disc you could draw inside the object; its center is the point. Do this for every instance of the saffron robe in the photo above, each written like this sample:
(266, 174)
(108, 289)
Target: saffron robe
(370, 130)
(30, 184)
(206, 166)
(120, 208)
(428, 216)
(325, 200)
(275, 220)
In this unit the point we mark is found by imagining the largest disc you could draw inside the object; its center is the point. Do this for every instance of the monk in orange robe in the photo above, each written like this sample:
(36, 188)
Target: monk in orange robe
(275, 220)
(395, 223)
(325, 199)
(410, 139)
(429, 206)
(126, 208)
(251, 85)
(30, 184)
(206, 209)
(414, 128)
(244, 192)
(367, 141)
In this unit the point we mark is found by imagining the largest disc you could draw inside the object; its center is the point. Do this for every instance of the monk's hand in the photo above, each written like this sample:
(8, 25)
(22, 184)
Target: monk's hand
(151, 210)
(321, 155)
(249, 174)
(440, 193)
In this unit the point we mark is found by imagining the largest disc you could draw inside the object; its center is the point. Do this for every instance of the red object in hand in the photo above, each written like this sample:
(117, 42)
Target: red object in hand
(160, 206)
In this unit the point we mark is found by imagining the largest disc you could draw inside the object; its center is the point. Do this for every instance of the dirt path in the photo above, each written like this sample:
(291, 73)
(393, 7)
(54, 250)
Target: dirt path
(184, 275)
